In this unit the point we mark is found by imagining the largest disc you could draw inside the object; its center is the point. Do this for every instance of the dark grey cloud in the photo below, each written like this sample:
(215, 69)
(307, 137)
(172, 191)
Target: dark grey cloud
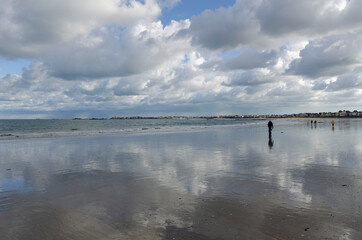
(250, 78)
(308, 17)
(319, 85)
(345, 82)
(329, 56)
(280, 17)
(272, 22)
(225, 27)
(250, 59)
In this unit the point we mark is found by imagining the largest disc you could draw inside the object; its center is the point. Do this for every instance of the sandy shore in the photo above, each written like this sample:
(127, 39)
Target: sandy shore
(303, 182)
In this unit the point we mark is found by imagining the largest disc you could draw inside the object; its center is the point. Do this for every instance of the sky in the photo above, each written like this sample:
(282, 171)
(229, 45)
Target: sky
(93, 58)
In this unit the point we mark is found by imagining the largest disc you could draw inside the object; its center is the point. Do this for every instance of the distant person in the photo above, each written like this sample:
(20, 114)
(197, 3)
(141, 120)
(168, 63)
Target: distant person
(270, 126)
(332, 123)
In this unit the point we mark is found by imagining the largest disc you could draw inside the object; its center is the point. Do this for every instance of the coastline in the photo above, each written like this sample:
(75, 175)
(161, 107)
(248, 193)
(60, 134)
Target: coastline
(200, 125)
(129, 128)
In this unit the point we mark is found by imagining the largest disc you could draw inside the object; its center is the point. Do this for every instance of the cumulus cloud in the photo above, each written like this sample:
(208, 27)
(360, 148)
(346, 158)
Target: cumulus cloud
(176, 83)
(30, 28)
(278, 17)
(289, 89)
(329, 56)
(264, 23)
(141, 47)
(225, 28)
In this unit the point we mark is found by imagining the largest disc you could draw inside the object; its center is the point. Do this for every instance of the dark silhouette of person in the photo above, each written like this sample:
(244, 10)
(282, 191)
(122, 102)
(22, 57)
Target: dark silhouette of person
(315, 123)
(270, 126)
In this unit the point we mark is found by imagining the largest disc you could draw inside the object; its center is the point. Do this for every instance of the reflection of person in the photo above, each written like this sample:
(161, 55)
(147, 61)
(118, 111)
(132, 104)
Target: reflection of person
(270, 126)
(271, 142)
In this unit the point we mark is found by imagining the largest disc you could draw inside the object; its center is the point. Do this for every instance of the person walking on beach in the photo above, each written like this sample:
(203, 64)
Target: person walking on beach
(332, 123)
(270, 126)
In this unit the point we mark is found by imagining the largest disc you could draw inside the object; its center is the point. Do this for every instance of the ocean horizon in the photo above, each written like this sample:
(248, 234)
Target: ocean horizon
(35, 128)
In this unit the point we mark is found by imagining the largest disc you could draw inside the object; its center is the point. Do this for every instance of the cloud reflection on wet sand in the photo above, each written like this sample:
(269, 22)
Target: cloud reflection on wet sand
(217, 184)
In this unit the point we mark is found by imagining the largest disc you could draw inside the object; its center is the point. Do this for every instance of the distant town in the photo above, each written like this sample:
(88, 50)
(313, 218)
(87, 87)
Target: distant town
(339, 114)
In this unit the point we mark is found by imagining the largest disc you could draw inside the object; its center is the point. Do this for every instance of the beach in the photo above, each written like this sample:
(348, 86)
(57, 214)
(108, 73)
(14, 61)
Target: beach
(225, 182)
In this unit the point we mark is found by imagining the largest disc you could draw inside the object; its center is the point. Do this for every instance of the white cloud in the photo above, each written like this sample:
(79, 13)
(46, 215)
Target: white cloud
(141, 48)
(30, 28)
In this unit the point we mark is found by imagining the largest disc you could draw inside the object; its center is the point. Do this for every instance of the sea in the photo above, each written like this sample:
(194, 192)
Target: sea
(38, 128)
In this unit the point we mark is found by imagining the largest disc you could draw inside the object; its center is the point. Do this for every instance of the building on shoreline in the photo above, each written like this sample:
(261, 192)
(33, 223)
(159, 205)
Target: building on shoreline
(339, 114)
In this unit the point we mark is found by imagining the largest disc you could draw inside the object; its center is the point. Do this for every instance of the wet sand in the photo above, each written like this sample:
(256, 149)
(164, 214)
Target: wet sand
(303, 182)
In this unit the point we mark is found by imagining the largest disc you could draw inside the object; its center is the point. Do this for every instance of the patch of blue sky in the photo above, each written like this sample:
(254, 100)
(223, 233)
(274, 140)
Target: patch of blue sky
(229, 54)
(186, 59)
(223, 55)
(188, 8)
(13, 66)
